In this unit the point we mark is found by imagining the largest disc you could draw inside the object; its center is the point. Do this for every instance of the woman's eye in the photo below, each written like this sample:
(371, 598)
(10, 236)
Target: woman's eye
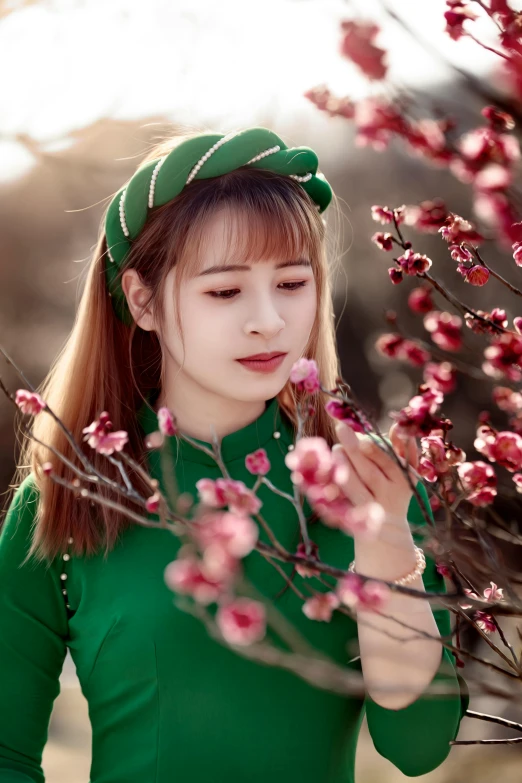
(229, 293)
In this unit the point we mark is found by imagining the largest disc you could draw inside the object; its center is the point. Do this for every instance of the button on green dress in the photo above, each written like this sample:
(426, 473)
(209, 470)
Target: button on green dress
(167, 703)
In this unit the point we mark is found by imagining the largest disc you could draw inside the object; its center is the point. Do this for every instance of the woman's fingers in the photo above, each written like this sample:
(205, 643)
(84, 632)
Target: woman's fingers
(353, 487)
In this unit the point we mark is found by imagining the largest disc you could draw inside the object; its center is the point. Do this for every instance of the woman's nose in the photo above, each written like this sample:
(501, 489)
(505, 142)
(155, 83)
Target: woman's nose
(266, 318)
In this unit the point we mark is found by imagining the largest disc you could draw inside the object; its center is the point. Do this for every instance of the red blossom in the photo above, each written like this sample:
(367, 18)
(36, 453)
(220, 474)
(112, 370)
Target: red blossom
(507, 399)
(517, 323)
(153, 503)
(186, 575)
(413, 263)
(344, 411)
(420, 300)
(383, 241)
(418, 418)
(479, 482)
(517, 253)
(305, 570)
(395, 275)
(445, 329)
(456, 17)
(359, 47)
(389, 344)
(504, 448)
(504, 357)
(460, 253)
(369, 595)
(475, 275)
(456, 230)
(382, 215)
(496, 318)
(440, 377)
(325, 101)
(376, 121)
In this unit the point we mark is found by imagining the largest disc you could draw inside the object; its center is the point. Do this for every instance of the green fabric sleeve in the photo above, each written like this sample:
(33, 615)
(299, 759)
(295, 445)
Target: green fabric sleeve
(416, 739)
(34, 627)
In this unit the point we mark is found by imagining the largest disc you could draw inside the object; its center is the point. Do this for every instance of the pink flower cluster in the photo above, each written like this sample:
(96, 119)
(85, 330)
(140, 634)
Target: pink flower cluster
(99, 435)
(359, 47)
(457, 230)
(385, 215)
(445, 329)
(438, 457)
(29, 403)
(504, 448)
(224, 538)
(503, 358)
(360, 595)
(511, 402)
(484, 620)
(495, 320)
(440, 377)
(305, 375)
(258, 462)
(344, 411)
(228, 492)
(479, 482)
(394, 346)
(420, 301)
(418, 419)
(320, 473)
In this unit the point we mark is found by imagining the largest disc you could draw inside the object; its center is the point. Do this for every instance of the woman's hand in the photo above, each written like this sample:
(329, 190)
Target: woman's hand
(374, 476)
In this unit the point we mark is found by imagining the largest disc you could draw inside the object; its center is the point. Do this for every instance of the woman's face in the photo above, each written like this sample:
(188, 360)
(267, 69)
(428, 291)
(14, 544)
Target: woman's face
(230, 314)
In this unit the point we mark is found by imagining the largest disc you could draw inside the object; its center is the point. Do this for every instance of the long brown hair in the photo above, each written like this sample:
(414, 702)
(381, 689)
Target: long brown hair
(106, 365)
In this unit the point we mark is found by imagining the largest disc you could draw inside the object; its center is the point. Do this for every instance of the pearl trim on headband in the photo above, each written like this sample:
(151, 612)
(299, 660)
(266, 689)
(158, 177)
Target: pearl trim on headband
(262, 155)
(155, 173)
(207, 155)
(122, 214)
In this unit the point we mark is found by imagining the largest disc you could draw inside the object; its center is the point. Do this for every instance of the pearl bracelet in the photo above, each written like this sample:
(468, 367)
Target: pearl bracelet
(405, 580)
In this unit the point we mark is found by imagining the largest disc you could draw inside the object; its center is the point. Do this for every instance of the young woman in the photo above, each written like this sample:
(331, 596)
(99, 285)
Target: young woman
(213, 253)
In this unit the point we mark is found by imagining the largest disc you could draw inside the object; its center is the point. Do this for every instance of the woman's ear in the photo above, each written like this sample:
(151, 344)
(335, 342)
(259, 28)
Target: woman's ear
(137, 296)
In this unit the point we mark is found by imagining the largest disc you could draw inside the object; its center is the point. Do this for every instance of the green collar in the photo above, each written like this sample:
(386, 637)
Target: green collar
(236, 445)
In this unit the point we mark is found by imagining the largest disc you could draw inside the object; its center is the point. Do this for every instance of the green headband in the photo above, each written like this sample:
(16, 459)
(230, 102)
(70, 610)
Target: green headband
(200, 157)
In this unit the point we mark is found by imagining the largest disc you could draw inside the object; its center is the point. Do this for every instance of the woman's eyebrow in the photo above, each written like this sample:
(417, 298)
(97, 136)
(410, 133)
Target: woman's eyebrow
(243, 267)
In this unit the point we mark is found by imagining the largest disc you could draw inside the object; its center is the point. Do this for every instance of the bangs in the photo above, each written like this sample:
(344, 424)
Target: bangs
(253, 230)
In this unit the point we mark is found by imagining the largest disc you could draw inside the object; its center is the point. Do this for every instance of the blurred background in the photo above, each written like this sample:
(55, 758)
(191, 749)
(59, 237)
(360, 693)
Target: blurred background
(87, 86)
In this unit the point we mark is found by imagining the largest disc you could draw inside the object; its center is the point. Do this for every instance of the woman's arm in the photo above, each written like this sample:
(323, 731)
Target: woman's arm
(416, 737)
(34, 627)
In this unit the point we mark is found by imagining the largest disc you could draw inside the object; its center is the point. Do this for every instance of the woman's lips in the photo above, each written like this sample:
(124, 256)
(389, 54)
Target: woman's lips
(263, 365)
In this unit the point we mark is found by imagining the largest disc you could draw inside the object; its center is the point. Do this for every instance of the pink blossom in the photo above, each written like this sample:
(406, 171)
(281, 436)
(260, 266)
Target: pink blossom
(186, 575)
(428, 216)
(153, 503)
(507, 399)
(438, 457)
(479, 482)
(305, 375)
(395, 275)
(383, 241)
(29, 402)
(242, 621)
(420, 300)
(389, 344)
(474, 275)
(359, 47)
(99, 435)
(305, 570)
(167, 422)
(414, 263)
(228, 492)
(457, 230)
(320, 607)
(418, 418)
(445, 329)
(376, 120)
(48, 468)
(443, 570)
(311, 462)
(517, 478)
(505, 448)
(517, 323)
(517, 253)
(369, 595)
(441, 377)
(460, 253)
(455, 19)
(414, 354)
(344, 411)
(236, 534)
(257, 462)
(382, 215)
(494, 593)
(485, 622)
(504, 356)
(496, 318)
